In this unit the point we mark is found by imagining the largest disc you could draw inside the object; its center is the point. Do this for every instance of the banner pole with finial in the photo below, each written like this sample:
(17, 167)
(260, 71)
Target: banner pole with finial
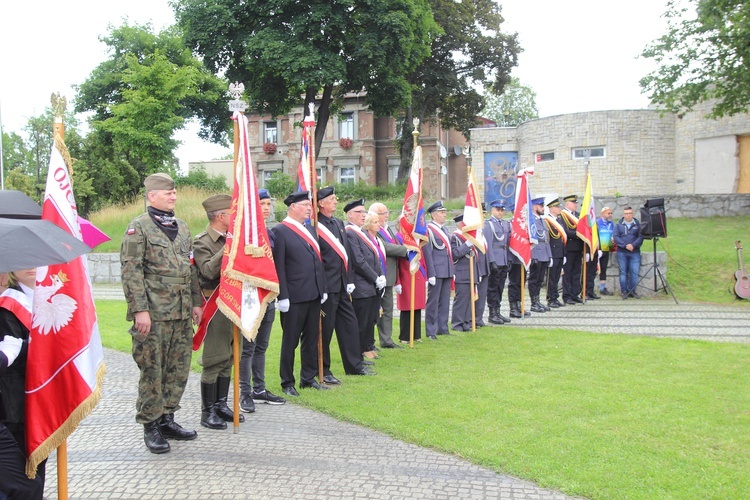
(413, 271)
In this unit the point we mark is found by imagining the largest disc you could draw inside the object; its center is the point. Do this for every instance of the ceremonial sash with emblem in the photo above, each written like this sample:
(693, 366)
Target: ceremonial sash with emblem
(304, 234)
(334, 242)
(19, 304)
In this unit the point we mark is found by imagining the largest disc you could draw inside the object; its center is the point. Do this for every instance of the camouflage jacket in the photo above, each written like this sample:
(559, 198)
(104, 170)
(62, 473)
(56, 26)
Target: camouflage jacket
(156, 273)
(207, 255)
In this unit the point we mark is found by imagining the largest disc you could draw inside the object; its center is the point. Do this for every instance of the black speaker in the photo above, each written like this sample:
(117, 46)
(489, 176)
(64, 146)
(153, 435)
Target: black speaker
(653, 219)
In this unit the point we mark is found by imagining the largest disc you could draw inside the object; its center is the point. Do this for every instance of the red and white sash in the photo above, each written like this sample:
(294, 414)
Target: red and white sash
(19, 304)
(361, 234)
(303, 233)
(439, 233)
(334, 242)
(210, 307)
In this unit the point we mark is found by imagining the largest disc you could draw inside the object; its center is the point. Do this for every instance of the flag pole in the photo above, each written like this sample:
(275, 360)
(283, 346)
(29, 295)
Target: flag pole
(413, 272)
(58, 130)
(472, 296)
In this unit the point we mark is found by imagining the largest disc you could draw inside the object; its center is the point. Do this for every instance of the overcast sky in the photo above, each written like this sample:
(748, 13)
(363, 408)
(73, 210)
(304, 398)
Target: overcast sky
(579, 55)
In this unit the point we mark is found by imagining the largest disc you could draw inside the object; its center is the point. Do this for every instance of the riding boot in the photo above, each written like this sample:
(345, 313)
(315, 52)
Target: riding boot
(155, 442)
(220, 408)
(208, 415)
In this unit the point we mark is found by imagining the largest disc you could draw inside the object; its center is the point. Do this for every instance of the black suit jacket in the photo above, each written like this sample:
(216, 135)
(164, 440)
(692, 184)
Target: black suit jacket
(337, 277)
(366, 265)
(298, 266)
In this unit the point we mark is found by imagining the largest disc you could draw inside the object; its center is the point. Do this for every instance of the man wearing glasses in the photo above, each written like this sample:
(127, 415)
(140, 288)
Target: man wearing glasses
(393, 250)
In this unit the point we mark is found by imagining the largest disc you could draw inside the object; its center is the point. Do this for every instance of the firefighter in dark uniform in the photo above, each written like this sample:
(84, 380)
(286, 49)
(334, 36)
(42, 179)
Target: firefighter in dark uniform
(573, 253)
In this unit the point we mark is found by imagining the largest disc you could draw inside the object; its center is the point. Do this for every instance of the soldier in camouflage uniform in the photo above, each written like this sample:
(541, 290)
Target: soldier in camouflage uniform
(162, 293)
(217, 347)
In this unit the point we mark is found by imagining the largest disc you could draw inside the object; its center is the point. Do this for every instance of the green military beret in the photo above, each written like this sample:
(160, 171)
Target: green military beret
(217, 202)
(158, 182)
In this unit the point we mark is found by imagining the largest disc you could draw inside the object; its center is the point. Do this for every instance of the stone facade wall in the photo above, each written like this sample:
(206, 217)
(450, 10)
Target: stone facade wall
(639, 151)
(689, 206)
(104, 267)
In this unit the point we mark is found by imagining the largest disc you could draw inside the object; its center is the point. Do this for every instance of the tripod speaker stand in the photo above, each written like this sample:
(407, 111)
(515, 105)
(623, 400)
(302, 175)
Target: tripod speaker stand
(657, 274)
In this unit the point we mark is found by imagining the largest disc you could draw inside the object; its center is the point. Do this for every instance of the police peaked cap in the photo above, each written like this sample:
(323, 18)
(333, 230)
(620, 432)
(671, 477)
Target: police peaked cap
(571, 197)
(158, 182)
(498, 204)
(217, 202)
(296, 197)
(438, 205)
(538, 201)
(354, 204)
(458, 218)
(325, 192)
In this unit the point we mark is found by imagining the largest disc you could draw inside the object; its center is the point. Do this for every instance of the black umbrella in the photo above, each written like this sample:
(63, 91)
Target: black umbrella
(32, 243)
(16, 205)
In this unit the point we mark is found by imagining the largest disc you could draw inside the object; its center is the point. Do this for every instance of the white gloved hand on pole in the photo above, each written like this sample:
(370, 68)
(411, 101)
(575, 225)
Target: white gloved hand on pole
(350, 288)
(397, 289)
(431, 281)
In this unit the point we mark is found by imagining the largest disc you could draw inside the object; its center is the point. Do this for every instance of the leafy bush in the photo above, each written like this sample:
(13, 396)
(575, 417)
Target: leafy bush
(280, 185)
(199, 179)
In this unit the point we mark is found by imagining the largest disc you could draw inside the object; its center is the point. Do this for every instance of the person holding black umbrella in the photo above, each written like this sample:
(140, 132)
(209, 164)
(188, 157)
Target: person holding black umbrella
(15, 321)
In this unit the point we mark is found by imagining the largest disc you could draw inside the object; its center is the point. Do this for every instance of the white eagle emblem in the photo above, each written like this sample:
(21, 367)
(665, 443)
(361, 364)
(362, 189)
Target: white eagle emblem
(52, 310)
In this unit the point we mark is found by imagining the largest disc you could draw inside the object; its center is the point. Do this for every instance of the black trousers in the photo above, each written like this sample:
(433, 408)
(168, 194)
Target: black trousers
(13, 481)
(553, 279)
(367, 310)
(603, 263)
(300, 326)
(572, 276)
(514, 283)
(498, 276)
(405, 325)
(537, 275)
(338, 313)
(591, 274)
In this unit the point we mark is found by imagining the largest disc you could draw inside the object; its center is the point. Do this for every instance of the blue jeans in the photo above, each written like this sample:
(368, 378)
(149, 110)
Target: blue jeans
(630, 266)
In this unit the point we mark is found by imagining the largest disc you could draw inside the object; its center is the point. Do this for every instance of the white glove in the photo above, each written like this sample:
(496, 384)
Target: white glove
(350, 288)
(565, 260)
(588, 257)
(11, 347)
(480, 279)
(324, 298)
(600, 254)
(397, 289)
(380, 282)
(283, 305)
(469, 244)
(550, 262)
(431, 281)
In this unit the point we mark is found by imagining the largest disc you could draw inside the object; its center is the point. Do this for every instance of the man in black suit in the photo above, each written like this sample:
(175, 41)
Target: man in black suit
(338, 311)
(573, 253)
(302, 285)
(557, 238)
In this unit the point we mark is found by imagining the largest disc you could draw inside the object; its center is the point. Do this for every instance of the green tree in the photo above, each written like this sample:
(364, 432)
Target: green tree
(515, 105)
(320, 49)
(470, 53)
(16, 157)
(140, 97)
(704, 55)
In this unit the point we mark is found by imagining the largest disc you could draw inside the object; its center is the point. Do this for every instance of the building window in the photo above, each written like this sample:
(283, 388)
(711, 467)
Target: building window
(392, 174)
(544, 156)
(267, 175)
(319, 173)
(270, 132)
(595, 152)
(346, 126)
(347, 175)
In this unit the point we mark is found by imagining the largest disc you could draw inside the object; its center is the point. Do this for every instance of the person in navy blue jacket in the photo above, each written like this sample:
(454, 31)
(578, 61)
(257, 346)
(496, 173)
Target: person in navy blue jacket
(627, 236)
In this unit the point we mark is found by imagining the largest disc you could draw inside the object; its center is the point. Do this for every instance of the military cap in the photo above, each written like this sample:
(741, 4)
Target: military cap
(325, 192)
(511, 207)
(499, 203)
(354, 204)
(438, 205)
(458, 218)
(571, 197)
(217, 202)
(538, 201)
(263, 194)
(554, 202)
(296, 197)
(158, 182)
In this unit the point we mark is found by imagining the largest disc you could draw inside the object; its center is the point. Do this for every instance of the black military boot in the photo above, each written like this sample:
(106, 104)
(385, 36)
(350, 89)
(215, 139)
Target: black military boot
(220, 408)
(155, 442)
(536, 306)
(495, 316)
(171, 429)
(208, 415)
(526, 313)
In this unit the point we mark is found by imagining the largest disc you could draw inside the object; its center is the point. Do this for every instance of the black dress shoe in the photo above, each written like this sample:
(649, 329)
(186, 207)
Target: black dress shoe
(432, 337)
(330, 379)
(313, 385)
(363, 371)
(391, 346)
(291, 391)
(571, 302)
(606, 292)
(553, 305)
(446, 333)
(577, 300)
(368, 363)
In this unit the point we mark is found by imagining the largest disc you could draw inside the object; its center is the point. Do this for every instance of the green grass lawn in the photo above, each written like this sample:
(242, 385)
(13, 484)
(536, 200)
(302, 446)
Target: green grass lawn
(602, 416)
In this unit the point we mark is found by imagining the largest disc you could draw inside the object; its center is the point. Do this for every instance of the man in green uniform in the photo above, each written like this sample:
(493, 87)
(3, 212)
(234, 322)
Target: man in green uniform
(217, 347)
(162, 296)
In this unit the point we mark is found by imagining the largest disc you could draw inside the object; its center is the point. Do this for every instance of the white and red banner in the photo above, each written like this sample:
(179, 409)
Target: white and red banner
(248, 275)
(586, 229)
(306, 175)
(65, 366)
(520, 236)
(412, 223)
(473, 215)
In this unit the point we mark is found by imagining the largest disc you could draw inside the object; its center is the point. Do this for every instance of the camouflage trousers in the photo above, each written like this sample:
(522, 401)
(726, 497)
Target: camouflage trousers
(216, 358)
(164, 361)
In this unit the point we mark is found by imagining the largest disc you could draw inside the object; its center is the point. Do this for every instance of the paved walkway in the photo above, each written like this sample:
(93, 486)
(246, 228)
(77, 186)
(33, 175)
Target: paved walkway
(270, 457)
